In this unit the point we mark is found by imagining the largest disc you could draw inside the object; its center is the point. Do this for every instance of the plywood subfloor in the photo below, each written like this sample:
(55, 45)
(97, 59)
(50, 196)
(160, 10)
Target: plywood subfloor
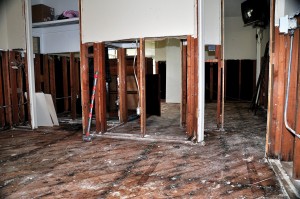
(55, 163)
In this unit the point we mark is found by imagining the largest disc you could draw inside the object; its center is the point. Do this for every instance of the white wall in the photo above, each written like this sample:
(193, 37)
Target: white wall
(212, 23)
(3, 26)
(286, 7)
(173, 79)
(160, 50)
(240, 41)
(104, 20)
(12, 24)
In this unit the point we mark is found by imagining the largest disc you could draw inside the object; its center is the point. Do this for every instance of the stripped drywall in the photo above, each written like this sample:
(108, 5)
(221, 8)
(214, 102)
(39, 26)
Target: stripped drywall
(212, 22)
(116, 20)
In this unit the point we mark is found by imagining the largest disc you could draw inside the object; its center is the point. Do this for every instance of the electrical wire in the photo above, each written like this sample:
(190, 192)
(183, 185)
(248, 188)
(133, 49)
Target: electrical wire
(134, 62)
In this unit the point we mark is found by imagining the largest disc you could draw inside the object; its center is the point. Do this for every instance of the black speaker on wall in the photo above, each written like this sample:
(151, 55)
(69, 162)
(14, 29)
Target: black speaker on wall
(256, 12)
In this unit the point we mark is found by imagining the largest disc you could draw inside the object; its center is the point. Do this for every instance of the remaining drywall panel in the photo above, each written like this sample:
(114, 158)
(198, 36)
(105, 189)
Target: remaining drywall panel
(212, 22)
(3, 26)
(15, 24)
(173, 79)
(104, 20)
(240, 41)
(51, 109)
(43, 115)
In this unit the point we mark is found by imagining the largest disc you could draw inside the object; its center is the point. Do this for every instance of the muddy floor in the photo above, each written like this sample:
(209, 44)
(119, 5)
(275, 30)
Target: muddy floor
(55, 163)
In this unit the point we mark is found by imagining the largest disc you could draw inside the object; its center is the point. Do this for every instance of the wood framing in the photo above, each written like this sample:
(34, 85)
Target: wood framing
(46, 74)
(219, 90)
(37, 73)
(65, 83)
(123, 116)
(99, 64)
(183, 107)
(190, 86)
(52, 79)
(142, 82)
(84, 74)
(288, 139)
(20, 94)
(13, 87)
(27, 89)
(211, 81)
(2, 113)
(6, 89)
(195, 123)
(73, 80)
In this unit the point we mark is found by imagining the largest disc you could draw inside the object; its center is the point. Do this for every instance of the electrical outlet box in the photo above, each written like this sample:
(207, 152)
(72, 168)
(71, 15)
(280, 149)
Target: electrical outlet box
(284, 24)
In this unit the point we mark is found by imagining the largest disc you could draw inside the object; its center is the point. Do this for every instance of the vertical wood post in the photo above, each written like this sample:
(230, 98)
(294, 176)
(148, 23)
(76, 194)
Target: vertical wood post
(99, 62)
(65, 83)
(122, 85)
(27, 89)
(84, 74)
(184, 85)
(142, 83)
(72, 85)
(6, 84)
(46, 74)
(288, 139)
(190, 85)
(52, 79)
(21, 94)
(211, 81)
(37, 69)
(2, 115)
(219, 90)
(195, 109)
(13, 88)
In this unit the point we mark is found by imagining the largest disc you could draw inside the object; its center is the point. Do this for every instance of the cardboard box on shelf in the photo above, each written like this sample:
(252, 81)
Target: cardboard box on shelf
(41, 13)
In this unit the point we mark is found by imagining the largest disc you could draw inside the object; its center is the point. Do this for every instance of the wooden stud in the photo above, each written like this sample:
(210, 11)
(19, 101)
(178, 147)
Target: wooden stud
(142, 82)
(211, 81)
(46, 74)
(37, 72)
(6, 84)
(219, 90)
(73, 85)
(84, 74)
(65, 83)
(27, 89)
(52, 79)
(190, 86)
(288, 139)
(296, 163)
(13, 88)
(240, 78)
(97, 63)
(122, 85)
(269, 150)
(183, 85)
(21, 93)
(2, 115)
(100, 98)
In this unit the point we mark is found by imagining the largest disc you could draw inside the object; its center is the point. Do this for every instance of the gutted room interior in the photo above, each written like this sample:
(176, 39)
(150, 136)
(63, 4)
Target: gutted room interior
(149, 99)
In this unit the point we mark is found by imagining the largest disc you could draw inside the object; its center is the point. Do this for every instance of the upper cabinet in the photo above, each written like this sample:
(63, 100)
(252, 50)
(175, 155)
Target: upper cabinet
(58, 36)
(12, 25)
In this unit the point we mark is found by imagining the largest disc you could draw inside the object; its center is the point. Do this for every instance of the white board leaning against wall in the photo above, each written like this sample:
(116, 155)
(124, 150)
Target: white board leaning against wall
(104, 20)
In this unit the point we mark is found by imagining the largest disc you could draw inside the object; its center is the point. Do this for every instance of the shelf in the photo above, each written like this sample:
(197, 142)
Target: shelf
(55, 23)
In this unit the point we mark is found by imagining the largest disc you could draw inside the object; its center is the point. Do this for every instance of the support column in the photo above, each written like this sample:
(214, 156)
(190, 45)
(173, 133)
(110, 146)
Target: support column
(65, 83)
(142, 81)
(84, 74)
(99, 62)
(184, 85)
(73, 85)
(122, 85)
(7, 97)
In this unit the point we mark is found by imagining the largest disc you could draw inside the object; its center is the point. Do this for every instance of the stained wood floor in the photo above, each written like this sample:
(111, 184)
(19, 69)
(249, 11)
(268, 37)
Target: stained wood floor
(55, 163)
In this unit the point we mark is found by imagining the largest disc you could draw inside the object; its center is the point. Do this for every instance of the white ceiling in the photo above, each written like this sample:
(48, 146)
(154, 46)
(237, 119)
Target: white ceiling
(233, 8)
